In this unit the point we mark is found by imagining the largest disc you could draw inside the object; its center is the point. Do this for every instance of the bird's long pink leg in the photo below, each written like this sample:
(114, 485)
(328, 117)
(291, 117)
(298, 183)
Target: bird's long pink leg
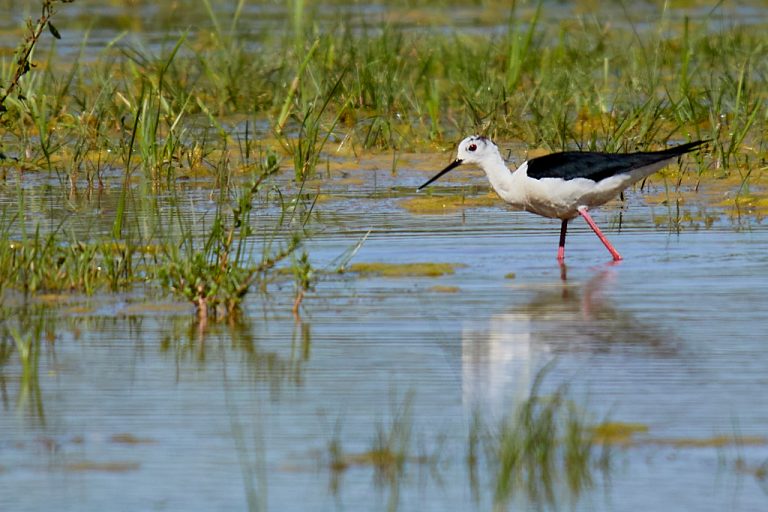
(561, 247)
(600, 235)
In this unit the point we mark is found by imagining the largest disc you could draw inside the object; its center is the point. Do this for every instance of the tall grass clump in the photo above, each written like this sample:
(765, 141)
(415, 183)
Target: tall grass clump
(312, 135)
(22, 59)
(380, 86)
(310, 110)
(565, 83)
(216, 270)
(136, 123)
(392, 446)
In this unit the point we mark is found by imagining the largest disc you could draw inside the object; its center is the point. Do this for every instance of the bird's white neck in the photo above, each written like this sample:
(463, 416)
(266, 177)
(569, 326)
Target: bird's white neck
(505, 182)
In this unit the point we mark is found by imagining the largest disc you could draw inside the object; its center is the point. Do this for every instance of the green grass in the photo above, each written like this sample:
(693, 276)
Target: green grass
(393, 450)
(131, 122)
(182, 169)
(570, 83)
(210, 266)
(548, 83)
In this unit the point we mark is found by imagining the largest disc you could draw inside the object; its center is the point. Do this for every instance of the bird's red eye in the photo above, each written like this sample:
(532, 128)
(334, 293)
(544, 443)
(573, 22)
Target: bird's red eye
(472, 147)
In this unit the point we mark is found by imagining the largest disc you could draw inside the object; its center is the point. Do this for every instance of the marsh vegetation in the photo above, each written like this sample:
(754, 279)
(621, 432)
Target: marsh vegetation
(217, 198)
(259, 115)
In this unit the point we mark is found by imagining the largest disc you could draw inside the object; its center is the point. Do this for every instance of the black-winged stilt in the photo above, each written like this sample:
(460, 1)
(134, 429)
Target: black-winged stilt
(563, 185)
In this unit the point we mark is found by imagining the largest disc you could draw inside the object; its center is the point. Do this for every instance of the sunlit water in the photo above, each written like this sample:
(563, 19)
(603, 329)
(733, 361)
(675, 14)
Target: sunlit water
(137, 410)
(88, 27)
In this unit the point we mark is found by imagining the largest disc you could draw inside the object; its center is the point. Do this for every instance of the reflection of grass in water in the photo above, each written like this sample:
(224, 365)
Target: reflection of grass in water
(542, 444)
(26, 338)
(544, 451)
(392, 451)
(28, 349)
(190, 344)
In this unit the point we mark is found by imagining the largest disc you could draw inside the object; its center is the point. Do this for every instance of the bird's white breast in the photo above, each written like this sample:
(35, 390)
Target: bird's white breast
(557, 197)
(560, 198)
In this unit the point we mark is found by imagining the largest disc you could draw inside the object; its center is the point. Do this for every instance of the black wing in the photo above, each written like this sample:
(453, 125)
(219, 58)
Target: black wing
(597, 166)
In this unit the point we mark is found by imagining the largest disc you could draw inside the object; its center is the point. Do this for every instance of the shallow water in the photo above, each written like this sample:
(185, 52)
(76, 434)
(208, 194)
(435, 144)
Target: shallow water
(132, 396)
(134, 408)
(89, 26)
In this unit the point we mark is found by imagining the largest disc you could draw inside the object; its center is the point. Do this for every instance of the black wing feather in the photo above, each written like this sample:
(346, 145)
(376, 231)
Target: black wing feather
(595, 166)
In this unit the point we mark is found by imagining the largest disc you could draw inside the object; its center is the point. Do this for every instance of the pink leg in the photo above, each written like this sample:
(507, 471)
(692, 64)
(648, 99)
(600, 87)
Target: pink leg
(600, 235)
(561, 247)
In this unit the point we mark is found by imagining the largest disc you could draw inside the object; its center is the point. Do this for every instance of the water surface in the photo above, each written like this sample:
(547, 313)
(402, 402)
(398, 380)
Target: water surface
(133, 396)
(135, 407)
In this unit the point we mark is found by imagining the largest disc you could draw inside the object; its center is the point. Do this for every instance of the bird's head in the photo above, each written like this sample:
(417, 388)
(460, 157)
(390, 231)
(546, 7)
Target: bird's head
(472, 150)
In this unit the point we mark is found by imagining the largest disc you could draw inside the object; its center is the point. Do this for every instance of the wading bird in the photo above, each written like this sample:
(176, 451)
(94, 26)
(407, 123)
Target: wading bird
(563, 185)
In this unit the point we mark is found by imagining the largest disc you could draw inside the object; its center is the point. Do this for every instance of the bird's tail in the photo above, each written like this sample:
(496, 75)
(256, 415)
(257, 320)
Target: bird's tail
(685, 148)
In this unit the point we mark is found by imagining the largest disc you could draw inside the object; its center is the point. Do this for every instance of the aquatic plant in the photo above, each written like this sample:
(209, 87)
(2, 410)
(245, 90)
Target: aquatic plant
(307, 146)
(404, 269)
(24, 333)
(41, 262)
(545, 442)
(304, 279)
(23, 56)
(216, 273)
(138, 122)
(389, 456)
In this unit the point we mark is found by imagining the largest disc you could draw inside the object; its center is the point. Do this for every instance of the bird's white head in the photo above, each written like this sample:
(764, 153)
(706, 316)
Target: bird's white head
(475, 149)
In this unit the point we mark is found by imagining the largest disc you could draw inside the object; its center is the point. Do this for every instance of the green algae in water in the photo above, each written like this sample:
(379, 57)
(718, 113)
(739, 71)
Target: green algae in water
(710, 442)
(423, 269)
(625, 433)
(103, 467)
(613, 432)
(445, 289)
(446, 204)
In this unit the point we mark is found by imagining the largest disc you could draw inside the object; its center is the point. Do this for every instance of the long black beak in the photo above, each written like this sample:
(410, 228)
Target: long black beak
(451, 166)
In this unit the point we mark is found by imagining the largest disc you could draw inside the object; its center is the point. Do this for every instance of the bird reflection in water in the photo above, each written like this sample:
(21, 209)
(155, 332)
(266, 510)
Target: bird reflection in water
(502, 354)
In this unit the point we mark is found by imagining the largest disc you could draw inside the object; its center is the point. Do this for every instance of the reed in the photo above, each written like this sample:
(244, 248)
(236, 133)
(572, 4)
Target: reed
(133, 123)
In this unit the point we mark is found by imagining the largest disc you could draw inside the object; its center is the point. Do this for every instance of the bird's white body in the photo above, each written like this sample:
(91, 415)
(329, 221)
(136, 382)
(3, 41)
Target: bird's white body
(556, 198)
(563, 185)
